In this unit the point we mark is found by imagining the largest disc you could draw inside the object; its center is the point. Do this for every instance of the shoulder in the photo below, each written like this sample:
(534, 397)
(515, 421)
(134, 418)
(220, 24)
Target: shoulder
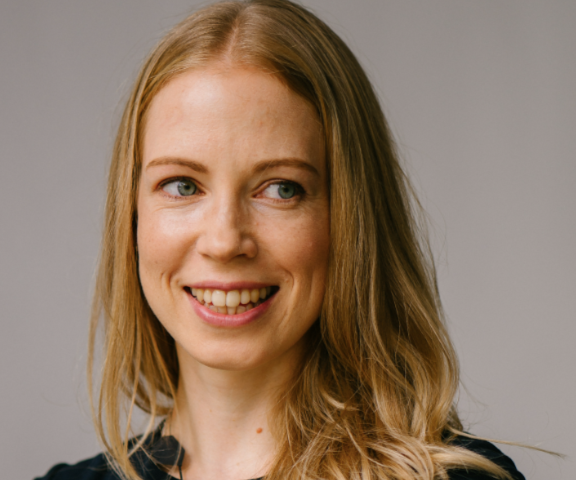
(98, 468)
(95, 468)
(487, 450)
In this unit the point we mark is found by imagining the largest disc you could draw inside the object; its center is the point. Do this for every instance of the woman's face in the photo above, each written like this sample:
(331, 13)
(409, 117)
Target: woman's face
(233, 207)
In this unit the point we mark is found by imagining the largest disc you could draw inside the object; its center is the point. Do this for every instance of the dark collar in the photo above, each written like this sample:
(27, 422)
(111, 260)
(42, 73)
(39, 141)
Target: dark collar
(158, 454)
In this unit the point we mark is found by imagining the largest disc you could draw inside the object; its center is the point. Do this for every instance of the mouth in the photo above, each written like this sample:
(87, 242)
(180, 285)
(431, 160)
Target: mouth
(232, 302)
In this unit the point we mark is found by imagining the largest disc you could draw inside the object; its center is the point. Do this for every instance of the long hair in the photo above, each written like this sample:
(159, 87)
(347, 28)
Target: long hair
(374, 398)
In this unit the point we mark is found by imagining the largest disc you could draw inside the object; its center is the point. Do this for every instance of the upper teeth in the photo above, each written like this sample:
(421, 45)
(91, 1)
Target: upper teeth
(232, 298)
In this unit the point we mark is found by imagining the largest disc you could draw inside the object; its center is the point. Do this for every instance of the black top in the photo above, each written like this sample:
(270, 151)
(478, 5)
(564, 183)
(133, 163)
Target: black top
(97, 468)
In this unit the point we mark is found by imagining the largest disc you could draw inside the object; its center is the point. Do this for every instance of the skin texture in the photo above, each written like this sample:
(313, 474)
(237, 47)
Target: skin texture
(221, 127)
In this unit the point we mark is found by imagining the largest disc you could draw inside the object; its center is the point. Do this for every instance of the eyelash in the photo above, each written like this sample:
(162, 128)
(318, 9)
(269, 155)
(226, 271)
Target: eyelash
(300, 192)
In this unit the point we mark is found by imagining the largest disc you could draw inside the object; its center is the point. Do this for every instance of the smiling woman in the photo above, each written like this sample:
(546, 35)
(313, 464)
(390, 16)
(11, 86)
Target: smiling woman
(262, 285)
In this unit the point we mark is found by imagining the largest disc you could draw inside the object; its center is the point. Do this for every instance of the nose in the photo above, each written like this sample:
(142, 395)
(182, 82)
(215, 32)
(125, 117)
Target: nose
(226, 232)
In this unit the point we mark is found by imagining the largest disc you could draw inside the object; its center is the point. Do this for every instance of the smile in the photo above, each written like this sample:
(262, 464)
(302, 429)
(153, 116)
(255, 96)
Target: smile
(232, 302)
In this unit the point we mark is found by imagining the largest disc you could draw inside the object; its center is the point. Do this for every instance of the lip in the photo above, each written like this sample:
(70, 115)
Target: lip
(229, 321)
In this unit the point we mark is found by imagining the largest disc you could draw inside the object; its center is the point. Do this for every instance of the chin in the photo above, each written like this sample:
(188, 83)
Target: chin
(228, 355)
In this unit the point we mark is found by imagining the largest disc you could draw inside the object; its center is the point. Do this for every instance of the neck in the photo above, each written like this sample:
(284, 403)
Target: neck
(221, 418)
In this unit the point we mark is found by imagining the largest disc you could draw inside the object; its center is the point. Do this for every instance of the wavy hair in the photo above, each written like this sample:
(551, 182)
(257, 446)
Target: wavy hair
(374, 398)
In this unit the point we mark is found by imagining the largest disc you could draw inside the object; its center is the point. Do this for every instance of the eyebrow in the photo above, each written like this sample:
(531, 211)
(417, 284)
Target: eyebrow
(285, 162)
(184, 162)
(260, 166)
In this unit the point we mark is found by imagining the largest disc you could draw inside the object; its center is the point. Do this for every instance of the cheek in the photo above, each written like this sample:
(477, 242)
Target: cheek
(163, 243)
(302, 248)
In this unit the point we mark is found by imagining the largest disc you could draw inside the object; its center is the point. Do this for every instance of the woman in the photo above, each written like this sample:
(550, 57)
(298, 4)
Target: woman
(263, 286)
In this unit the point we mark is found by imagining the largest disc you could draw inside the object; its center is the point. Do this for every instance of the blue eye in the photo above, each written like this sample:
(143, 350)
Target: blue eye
(180, 188)
(286, 190)
(282, 191)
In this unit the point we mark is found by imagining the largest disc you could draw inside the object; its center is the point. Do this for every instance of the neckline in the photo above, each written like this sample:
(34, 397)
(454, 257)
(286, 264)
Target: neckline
(149, 466)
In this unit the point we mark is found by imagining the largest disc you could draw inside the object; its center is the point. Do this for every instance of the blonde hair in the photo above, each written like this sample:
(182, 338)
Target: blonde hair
(374, 398)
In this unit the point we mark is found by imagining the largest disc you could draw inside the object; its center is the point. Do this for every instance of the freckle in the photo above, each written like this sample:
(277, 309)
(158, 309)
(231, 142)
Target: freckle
(258, 430)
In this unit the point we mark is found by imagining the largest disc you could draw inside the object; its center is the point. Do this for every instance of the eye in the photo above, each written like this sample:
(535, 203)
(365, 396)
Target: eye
(182, 187)
(282, 190)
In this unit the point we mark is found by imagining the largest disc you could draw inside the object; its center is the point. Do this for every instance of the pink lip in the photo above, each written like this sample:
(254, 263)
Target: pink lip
(224, 320)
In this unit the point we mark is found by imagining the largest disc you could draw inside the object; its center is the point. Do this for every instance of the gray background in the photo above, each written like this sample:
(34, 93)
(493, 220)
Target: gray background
(481, 95)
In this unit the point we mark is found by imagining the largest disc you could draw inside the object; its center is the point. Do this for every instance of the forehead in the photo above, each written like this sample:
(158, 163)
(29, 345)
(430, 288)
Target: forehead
(231, 112)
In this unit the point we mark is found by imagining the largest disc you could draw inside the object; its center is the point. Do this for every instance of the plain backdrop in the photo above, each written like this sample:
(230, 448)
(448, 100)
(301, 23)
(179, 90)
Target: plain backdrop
(481, 95)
